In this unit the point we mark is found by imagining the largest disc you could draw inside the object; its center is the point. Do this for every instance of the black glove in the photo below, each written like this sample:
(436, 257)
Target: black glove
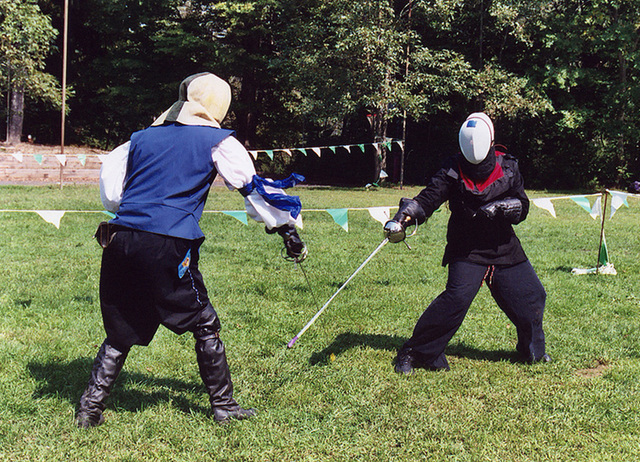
(509, 209)
(295, 248)
(409, 213)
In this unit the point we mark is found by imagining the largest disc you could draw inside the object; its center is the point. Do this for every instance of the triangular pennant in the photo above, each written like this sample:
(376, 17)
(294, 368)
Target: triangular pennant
(269, 153)
(383, 174)
(287, 152)
(361, 146)
(341, 217)
(381, 214)
(332, 149)
(596, 210)
(51, 216)
(603, 255)
(38, 158)
(547, 205)
(400, 144)
(18, 156)
(618, 199)
(582, 201)
(82, 158)
(61, 158)
(241, 216)
(254, 154)
(317, 151)
(102, 157)
(303, 151)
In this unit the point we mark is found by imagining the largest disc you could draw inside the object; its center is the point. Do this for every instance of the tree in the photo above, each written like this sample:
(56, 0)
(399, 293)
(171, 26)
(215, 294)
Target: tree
(25, 43)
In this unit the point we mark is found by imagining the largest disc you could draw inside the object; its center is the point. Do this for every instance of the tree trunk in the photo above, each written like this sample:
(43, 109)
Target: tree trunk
(16, 113)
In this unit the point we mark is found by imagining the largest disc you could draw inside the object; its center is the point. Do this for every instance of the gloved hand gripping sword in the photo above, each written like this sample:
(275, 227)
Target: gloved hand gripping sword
(409, 213)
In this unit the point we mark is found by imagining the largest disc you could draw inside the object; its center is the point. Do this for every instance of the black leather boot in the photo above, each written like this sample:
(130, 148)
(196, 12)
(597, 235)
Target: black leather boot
(214, 370)
(106, 367)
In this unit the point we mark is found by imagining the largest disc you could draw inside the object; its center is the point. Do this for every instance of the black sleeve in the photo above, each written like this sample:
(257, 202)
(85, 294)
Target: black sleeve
(518, 192)
(438, 189)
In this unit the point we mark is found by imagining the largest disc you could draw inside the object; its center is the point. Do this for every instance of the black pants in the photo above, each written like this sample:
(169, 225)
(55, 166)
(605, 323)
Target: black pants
(516, 289)
(146, 280)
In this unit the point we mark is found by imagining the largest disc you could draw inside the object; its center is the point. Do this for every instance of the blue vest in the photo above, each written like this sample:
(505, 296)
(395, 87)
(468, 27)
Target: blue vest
(169, 173)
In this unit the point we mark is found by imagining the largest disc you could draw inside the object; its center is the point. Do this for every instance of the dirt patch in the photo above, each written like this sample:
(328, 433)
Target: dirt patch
(592, 372)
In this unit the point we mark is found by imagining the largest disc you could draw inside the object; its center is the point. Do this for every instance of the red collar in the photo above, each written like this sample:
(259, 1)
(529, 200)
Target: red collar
(495, 174)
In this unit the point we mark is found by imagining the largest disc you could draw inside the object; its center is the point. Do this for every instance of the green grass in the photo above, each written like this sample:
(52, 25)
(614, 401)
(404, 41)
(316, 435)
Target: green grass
(334, 396)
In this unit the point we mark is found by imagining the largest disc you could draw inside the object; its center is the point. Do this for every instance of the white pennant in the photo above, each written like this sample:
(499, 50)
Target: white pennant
(545, 204)
(316, 150)
(596, 210)
(380, 214)
(18, 156)
(51, 216)
(62, 158)
(618, 199)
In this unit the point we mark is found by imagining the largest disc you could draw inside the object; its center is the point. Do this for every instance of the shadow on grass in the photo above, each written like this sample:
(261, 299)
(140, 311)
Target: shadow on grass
(68, 380)
(462, 350)
(349, 340)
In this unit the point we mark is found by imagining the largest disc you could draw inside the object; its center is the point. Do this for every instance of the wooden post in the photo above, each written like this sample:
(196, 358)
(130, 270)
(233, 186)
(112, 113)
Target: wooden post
(604, 211)
(64, 82)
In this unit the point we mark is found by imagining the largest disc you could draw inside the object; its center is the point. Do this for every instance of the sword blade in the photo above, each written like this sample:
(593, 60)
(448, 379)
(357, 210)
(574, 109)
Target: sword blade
(304, 329)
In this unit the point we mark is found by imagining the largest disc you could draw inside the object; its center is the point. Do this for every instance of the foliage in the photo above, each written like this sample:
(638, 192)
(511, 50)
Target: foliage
(560, 79)
(334, 396)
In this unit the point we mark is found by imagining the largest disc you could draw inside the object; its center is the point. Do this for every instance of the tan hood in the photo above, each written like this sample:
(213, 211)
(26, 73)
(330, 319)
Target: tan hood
(204, 99)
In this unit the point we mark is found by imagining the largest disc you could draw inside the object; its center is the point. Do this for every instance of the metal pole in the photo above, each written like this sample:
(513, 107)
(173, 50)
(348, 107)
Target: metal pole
(303, 330)
(64, 81)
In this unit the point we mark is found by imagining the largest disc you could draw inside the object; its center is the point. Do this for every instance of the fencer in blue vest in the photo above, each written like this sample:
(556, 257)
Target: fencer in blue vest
(157, 185)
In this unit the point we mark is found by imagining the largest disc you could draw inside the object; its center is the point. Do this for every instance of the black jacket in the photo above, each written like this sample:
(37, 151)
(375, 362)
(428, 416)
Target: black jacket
(470, 237)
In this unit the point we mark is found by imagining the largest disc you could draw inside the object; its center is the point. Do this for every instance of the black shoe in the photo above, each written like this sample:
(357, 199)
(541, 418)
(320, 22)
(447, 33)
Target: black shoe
(224, 414)
(404, 363)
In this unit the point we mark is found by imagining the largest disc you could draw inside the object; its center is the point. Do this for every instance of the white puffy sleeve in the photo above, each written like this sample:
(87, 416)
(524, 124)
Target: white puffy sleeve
(235, 166)
(112, 175)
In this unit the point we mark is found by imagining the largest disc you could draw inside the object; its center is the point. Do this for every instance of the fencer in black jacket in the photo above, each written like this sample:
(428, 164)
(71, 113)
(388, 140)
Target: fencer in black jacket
(486, 198)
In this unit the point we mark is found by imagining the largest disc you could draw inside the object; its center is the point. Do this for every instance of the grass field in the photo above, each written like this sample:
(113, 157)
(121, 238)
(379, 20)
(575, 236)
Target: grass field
(334, 396)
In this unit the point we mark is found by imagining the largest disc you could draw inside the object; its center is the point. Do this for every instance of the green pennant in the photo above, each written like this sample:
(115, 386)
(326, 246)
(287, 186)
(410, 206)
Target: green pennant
(583, 202)
(603, 256)
(270, 154)
(82, 158)
(341, 217)
(241, 216)
(361, 146)
(38, 158)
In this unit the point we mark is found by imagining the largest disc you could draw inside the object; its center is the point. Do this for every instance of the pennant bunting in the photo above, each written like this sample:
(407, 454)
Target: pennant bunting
(381, 214)
(61, 158)
(583, 202)
(82, 158)
(17, 156)
(361, 146)
(254, 154)
(51, 216)
(316, 151)
(241, 216)
(547, 205)
(38, 158)
(341, 217)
